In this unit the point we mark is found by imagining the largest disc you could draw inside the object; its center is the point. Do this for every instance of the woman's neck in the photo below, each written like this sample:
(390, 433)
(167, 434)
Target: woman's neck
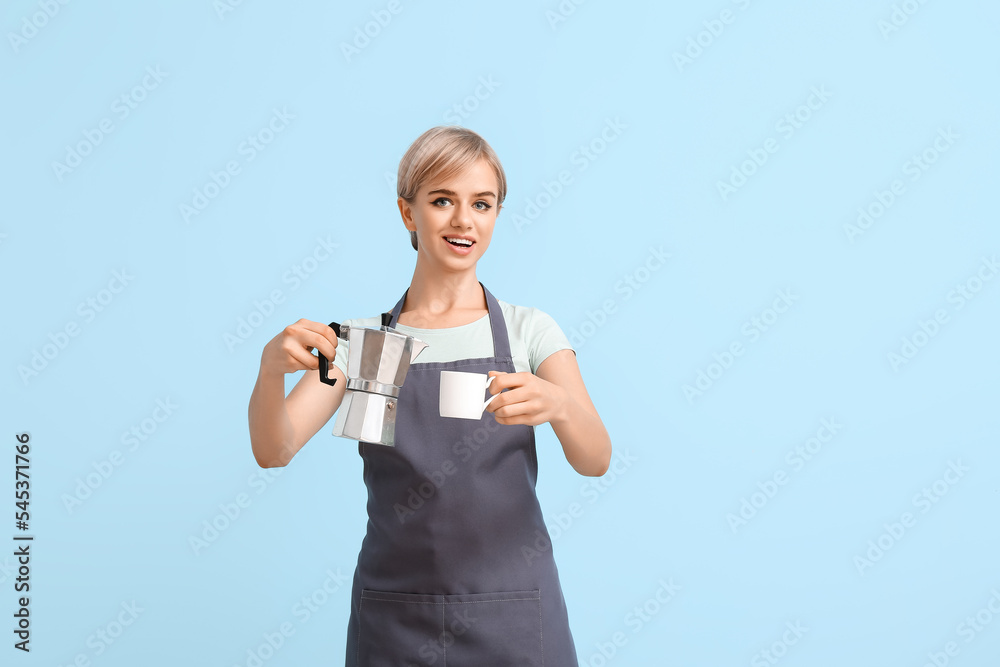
(438, 301)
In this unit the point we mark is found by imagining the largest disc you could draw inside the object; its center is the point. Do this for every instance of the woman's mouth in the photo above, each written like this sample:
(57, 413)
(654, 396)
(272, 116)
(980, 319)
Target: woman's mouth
(461, 245)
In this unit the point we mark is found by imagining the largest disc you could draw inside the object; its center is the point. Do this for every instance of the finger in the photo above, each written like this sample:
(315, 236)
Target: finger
(516, 409)
(511, 421)
(513, 402)
(329, 334)
(500, 400)
(494, 404)
(495, 387)
(511, 395)
(304, 359)
(319, 328)
(313, 340)
(529, 417)
(525, 419)
(507, 381)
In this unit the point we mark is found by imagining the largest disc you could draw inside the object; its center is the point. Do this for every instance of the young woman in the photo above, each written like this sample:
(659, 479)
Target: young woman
(457, 564)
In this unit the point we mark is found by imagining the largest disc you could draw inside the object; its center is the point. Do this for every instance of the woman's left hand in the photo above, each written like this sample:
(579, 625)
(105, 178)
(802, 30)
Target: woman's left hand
(529, 399)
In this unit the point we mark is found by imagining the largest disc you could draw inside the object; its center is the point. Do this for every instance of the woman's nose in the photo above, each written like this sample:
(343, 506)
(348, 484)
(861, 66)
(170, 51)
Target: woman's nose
(462, 218)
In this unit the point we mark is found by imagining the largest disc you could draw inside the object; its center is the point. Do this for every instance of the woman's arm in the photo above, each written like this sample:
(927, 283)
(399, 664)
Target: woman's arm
(555, 393)
(279, 425)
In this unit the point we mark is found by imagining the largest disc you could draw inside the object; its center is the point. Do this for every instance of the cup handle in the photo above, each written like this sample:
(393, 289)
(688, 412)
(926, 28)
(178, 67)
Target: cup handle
(488, 400)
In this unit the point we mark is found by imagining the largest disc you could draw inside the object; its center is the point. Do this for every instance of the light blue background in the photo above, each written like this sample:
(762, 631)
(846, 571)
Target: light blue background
(663, 516)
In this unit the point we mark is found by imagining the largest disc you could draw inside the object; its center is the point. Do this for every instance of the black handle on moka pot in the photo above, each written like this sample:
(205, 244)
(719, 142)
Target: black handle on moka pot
(324, 363)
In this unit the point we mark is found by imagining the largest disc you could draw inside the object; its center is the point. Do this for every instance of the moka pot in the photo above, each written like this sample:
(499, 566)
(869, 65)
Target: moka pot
(377, 363)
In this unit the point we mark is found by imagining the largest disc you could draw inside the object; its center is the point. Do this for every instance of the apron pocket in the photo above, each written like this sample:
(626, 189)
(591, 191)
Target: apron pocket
(398, 629)
(501, 629)
(495, 629)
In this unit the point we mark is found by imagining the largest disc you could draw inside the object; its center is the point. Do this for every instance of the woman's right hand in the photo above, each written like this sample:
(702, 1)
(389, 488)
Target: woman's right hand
(291, 350)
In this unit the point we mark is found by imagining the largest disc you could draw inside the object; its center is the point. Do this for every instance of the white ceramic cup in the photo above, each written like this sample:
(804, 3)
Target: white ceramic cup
(461, 394)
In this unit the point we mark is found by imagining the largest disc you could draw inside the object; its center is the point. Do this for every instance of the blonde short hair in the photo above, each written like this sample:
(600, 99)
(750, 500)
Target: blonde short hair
(442, 152)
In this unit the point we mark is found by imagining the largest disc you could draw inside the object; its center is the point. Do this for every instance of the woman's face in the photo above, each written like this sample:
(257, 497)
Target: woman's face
(454, 217)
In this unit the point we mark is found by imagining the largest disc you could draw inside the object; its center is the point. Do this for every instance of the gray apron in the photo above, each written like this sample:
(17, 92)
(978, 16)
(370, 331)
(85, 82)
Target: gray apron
(456, 567)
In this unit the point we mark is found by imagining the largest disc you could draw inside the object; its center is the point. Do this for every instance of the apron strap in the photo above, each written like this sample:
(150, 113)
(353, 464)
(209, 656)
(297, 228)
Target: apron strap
(394, 313)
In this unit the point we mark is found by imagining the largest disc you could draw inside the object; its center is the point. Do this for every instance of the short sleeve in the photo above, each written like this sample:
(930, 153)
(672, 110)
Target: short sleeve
(544, 337)
(340, 361)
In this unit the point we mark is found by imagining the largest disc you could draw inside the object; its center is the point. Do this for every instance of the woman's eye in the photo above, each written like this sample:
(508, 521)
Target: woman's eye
(485, 206)
(441, 199)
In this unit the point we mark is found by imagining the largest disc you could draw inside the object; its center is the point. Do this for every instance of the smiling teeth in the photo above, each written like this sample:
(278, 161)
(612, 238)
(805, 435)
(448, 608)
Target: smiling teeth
(465, 242)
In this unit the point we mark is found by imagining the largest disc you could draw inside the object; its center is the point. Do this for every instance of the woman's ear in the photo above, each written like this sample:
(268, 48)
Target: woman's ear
(406, 213)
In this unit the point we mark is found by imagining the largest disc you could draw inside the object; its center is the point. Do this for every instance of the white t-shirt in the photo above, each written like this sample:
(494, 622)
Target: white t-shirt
(533, 335)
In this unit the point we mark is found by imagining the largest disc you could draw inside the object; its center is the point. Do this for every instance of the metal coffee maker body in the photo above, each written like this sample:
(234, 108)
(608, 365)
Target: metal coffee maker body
(377, 363)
